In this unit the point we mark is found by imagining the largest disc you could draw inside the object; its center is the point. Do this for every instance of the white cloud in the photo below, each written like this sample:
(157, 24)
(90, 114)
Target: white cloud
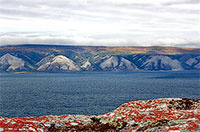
(119, 22)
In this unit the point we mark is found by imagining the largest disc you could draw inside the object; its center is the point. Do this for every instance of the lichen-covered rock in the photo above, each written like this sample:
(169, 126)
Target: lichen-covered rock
(169, 114)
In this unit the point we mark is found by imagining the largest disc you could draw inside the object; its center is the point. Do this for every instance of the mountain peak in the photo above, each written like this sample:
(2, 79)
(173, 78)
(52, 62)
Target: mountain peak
(161, 62)
(61, 58)
(9, 62)
(57, 64)
(117, 63)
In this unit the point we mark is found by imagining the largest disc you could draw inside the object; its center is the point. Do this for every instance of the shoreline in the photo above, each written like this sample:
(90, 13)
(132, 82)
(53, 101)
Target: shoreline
(138, 71)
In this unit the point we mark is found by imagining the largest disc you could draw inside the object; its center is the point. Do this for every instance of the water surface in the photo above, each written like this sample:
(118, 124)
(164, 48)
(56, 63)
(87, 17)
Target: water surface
(38, 94)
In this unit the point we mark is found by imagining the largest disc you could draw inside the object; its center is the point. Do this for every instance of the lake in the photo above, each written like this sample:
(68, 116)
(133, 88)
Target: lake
(38, 94)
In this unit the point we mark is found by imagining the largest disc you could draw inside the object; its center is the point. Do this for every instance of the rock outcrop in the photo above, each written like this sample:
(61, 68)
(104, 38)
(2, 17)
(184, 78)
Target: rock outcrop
(194, 62)
(57, 64)
(160, 62)
(9, 62)
(45, 60)
(168, 114)
(87, 66)
(114, 63)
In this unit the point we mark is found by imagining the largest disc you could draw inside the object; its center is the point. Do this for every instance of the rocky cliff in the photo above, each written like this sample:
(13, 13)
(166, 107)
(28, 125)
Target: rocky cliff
(160, 115)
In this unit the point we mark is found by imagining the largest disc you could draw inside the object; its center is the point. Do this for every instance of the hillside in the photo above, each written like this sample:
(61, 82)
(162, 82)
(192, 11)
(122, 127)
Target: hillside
(54, 58)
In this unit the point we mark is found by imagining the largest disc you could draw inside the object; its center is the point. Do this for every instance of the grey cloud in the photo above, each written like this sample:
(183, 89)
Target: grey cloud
(92, 41)
(17, 33)
(34, 39)
(177, 2)
(52, 14)
(38, 4)
(21, 12)
(190, 45)
(135, 21)
(9, 18)
(65, 11)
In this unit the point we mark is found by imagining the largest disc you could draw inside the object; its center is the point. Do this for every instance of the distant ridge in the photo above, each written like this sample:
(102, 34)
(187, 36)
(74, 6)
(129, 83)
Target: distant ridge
(121, 49)
(103, 58)
(60, 45)
(46, 45)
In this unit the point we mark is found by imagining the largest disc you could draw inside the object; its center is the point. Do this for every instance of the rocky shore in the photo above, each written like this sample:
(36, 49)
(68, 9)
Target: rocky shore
(167, 114)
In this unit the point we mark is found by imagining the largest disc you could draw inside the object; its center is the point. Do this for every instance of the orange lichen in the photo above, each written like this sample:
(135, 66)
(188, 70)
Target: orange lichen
(164, 114)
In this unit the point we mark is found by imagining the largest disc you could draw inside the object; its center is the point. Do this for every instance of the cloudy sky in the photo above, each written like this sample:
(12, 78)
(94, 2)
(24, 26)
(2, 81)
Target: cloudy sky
(101, 22)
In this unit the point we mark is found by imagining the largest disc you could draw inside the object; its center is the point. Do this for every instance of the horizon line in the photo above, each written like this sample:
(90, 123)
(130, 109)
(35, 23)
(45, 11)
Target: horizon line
(65, 45)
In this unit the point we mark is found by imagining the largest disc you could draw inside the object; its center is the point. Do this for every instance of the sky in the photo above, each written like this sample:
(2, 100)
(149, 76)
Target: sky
(101, 22)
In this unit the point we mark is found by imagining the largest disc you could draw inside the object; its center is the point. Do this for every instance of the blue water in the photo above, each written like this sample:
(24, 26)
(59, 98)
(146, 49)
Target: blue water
(89, 93)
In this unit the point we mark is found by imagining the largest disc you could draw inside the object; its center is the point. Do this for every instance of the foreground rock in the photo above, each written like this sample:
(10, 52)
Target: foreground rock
(137, 116)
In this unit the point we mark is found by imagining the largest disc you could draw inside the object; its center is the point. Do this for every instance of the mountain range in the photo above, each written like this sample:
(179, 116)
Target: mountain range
(55, 58)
